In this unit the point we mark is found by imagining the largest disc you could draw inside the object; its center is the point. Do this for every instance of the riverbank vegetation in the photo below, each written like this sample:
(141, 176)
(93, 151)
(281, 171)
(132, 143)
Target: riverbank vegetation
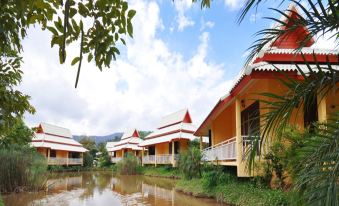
(129, 165)
(161, 171)
(21, 168)
(227, 188)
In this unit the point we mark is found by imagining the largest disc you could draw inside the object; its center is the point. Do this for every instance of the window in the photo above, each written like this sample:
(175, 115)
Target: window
(151, 150)
(73, 155)
(209, 138)
(250, 125)
(52, 153)
(176, 147)
(250, 120)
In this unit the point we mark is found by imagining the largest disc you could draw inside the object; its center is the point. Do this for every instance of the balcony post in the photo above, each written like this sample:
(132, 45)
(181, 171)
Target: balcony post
(48, 155)
(155, 155)
(321, 101)
(238, 136)
(67, 157)
(82, 158)
(142, 156)
(172, 153)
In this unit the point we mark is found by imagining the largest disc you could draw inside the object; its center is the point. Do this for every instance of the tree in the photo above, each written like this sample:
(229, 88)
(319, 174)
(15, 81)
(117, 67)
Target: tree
(97, 26)
(20, 134)
(316, 176)
(89, 144)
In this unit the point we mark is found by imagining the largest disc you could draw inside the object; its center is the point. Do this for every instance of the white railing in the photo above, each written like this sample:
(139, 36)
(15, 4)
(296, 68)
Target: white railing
(57, 161)
(64, 161)
(164, 159)
(247, 144)
(75, 161)
(115, 159)
(149, 159)
(159, 159)
(225, 150)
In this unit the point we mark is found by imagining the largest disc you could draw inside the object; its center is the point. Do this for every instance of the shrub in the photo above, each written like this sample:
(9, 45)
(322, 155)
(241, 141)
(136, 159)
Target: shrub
(216, 177)
(190, 163)
(129, 165)
(21, 168)
(88, 159)
(104, 159)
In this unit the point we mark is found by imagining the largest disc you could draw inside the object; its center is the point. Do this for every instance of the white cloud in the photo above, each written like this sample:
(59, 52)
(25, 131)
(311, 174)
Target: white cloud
(182, 6)
(206, 24)
(254, 17)
(144, 84)
(234, 4)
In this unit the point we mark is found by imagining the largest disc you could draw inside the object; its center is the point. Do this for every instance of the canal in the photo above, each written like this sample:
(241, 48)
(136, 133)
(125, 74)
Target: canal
(104, 188)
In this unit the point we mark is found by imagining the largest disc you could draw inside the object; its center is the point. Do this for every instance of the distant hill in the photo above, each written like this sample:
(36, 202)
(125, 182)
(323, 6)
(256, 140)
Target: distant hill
(99, 139)
(108, 138)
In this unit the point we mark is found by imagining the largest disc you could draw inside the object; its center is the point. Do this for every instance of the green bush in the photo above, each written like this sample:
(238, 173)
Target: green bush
(190, 163)
(129, 165)
(21, 168)
(104, 159)
(88, 159)
(216, 177)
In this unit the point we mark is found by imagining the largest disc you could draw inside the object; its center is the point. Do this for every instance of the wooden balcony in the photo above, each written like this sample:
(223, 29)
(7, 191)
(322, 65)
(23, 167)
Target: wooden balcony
(115, 159)
(222, 151)
(64, 161)
(159, 159)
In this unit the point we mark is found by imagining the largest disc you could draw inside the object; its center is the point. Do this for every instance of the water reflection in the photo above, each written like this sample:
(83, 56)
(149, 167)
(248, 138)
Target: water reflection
(102, 188)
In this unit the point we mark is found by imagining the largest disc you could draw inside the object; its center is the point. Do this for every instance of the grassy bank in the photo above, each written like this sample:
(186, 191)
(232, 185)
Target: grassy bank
(1, 202)
(235, 193)
(162, 171)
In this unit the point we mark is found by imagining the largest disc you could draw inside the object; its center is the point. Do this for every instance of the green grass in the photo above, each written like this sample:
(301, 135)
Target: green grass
(1, 202)
(235, 193)
(161, 171)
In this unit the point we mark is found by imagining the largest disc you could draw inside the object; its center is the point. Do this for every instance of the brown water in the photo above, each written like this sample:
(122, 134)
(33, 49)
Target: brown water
(102, 188)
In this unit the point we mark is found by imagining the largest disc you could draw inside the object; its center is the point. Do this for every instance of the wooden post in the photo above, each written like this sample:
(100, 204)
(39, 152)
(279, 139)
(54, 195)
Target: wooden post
(155, 155)
(48, 155)
(238, 135)
(322, 114)
(67, 157)
(142, 156)
(173, 163)
(82, 158)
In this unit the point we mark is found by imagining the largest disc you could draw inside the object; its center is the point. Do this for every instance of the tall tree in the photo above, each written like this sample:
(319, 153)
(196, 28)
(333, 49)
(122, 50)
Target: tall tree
(98, 27)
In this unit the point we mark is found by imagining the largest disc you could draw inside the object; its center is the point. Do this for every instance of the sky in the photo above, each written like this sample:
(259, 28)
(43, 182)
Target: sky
(181, 56)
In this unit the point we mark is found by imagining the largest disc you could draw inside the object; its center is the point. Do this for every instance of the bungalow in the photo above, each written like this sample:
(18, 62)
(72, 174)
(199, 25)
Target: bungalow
(170, 139)
(129, 144)
(57, 145)
(236, 115)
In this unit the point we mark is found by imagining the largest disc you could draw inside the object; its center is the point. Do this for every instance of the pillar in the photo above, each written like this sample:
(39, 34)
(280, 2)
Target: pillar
(67, 157)
(82, 158)
(322, 114)
(173, 154)
(48, 155)
(239, 152)
(142, 156)
(155, 155)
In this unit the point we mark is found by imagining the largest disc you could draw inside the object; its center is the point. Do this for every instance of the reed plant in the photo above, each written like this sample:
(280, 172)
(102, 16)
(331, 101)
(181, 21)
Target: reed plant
(21, 169)
(129, 165)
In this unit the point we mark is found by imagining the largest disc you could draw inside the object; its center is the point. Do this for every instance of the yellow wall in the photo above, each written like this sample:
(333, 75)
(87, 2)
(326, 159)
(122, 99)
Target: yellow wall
(61, 154)
(162, 148)
(332, 102)
(223, 127)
